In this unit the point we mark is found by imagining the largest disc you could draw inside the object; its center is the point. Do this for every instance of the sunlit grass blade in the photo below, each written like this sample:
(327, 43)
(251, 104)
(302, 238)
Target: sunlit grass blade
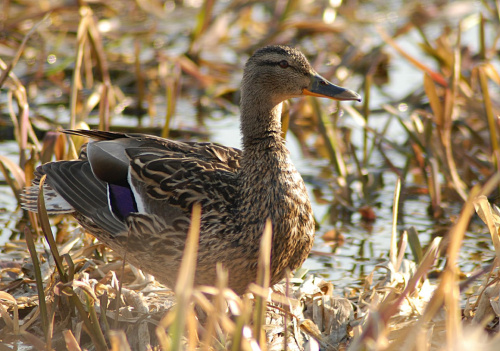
(263, 280)
(177, 318)
(393, 252)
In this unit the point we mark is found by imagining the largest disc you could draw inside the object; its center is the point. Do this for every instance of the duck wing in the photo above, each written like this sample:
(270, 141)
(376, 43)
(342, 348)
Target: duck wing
(120, 174)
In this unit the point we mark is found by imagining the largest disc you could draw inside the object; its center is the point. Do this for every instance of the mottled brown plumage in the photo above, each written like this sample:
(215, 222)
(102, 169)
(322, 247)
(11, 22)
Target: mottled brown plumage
(135, 192)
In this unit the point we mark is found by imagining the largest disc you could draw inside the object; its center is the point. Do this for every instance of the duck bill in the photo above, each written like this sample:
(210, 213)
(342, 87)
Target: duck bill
(323, 88)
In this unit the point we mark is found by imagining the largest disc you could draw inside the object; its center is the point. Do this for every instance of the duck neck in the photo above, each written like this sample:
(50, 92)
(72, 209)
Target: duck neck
(260, 121)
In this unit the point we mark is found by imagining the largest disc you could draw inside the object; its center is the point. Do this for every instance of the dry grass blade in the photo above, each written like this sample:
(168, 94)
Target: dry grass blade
(437, 77)
(434, 100)
(366, 115)
(38, 279)
(241, 323)
(376, 325)
(20, 50)
(393, 251)
(13, 323)
(263, 279)
(47, 231)
(81, 38)
(172, 83)
(491, 218)
(191, 68)
(118, 340)
(202, 22)
(217, 308)
(488, 107)
(70, 341)
(183, 288)
(448, 289)
(17, 182)
(448, 117)
(22, 125)
(106, 90)
(415, 246)
(92, 328)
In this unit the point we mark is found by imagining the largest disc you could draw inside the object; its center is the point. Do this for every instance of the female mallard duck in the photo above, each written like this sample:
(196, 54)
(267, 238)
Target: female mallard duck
(135, 192)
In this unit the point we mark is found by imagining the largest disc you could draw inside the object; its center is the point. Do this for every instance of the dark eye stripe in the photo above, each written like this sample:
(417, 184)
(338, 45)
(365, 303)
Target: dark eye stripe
(277, 63)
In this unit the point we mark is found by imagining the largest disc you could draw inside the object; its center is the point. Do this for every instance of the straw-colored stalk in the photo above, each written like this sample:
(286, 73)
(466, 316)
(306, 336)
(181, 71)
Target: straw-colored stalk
(177, 317)
(263, 280)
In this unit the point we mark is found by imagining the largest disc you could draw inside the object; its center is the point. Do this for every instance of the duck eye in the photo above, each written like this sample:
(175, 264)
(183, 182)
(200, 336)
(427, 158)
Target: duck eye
(283, 64)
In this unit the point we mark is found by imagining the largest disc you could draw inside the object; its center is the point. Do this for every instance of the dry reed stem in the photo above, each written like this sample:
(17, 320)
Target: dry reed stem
(81, 38)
